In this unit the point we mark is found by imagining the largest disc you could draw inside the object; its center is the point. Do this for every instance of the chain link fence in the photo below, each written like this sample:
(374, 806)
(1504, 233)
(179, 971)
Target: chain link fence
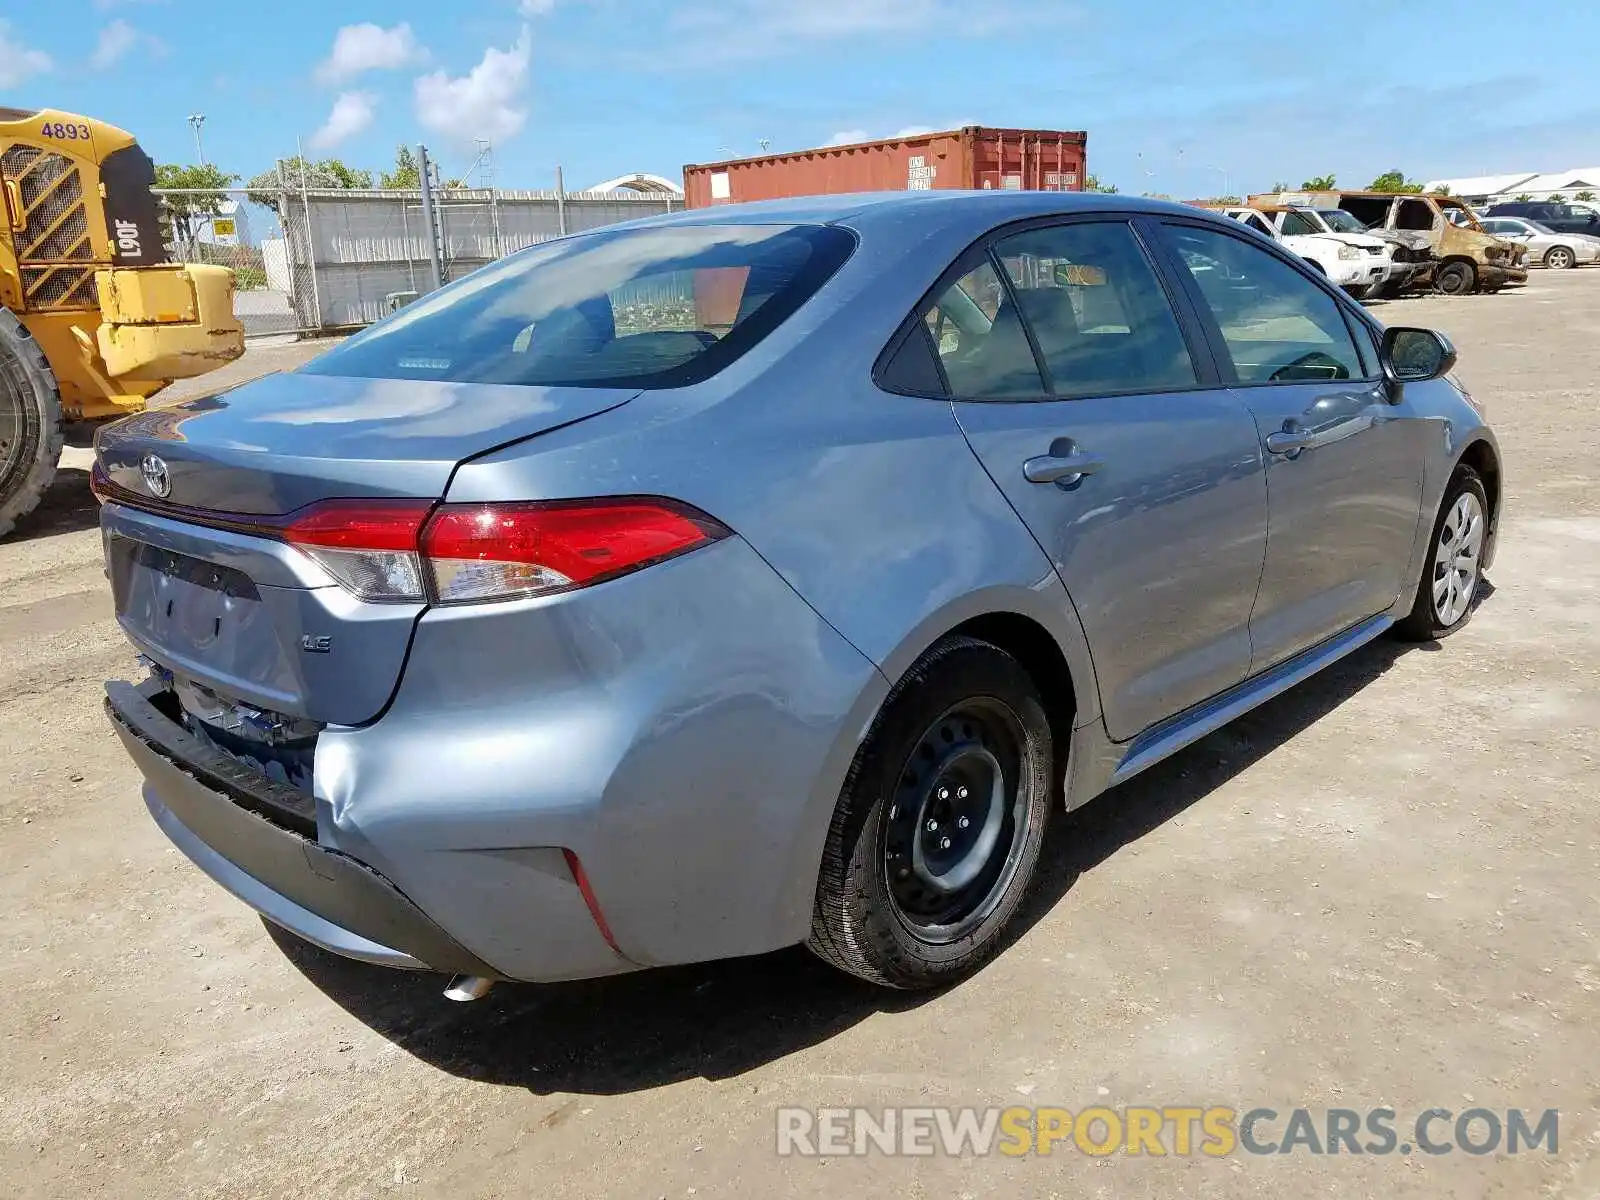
(320, 260)
(234, 228)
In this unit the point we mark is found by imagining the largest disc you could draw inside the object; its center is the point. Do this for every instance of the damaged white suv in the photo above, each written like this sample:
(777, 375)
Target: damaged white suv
(1357, 262)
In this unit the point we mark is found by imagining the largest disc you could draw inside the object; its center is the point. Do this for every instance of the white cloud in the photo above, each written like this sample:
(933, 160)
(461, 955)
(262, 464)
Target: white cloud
(535, 8)
(913, 131)
(368, 47)
(483, 103)
(19, 63)
(352, 113)
(116, 40)
(846, 137)
(733, 30)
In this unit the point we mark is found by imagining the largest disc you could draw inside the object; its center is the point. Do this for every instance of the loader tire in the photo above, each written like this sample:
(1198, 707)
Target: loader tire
(30, 422)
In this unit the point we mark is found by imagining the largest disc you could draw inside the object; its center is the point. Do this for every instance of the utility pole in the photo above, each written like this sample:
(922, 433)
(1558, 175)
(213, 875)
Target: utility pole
(196, 120)
(425, 172)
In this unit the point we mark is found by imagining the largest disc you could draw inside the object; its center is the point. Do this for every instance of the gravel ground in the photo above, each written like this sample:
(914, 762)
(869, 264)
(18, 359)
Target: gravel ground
(1379, 890)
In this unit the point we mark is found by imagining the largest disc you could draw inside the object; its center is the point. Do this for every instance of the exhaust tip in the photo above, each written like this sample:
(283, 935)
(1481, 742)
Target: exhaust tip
(465, 988)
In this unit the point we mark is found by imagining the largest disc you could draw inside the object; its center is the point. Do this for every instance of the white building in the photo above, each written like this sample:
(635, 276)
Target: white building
(230, 226)
(644, 184)
(1490, 189)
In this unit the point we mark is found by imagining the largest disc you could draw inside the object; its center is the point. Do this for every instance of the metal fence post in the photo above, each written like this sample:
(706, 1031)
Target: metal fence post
(311, 248)
(424, 169)
(561, 204)
(494, 213)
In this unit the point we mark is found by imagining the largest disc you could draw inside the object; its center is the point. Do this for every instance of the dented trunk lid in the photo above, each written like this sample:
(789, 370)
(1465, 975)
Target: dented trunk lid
(227, 607)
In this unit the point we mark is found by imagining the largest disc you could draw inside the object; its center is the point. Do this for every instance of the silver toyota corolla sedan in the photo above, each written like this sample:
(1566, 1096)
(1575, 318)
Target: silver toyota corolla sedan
(765, 574)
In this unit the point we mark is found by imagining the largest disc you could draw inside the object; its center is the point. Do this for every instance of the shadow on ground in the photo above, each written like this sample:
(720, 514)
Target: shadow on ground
(66, 507)
(722, 1019)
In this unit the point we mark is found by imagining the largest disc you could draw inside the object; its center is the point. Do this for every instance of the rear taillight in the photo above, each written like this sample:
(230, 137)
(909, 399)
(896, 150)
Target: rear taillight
(472, 553)
(369, 546)
(491, 551)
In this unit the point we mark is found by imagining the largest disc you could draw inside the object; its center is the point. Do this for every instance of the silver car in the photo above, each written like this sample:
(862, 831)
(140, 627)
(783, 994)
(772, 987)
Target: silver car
(765, 575)
(1559, 251)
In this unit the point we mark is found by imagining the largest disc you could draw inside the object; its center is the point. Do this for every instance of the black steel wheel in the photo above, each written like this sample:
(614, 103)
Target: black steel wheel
(954, 826)
(30, 422)
(938, 828)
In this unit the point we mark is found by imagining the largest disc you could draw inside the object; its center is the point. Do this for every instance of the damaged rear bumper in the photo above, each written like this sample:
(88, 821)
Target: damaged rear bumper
(257, 839)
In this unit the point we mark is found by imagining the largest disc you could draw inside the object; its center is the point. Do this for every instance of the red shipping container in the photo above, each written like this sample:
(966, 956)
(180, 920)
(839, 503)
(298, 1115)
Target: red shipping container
(974, 157)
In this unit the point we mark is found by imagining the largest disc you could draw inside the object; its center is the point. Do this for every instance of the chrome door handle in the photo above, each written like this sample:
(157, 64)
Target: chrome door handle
(1289, 441)
(1062, 469)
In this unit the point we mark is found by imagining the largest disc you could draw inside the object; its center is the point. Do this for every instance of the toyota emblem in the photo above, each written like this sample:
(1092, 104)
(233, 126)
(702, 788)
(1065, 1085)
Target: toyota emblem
(153, 470)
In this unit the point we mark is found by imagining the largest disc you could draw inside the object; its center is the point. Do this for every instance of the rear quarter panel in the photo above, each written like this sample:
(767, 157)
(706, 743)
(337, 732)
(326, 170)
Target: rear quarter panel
(870, 512)
(871, 505)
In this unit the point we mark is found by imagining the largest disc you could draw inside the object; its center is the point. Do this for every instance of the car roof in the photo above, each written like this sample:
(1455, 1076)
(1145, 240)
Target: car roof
(981, 209)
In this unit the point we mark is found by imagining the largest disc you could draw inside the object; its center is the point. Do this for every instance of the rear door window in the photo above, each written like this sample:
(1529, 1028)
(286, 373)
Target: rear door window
(980, 339)
(1296, 225)
(1277, 325)
(1257, 222)
(647, 308)
(1096, 309)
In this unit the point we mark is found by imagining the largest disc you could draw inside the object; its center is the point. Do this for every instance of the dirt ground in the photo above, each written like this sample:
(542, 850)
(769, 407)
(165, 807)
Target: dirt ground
(1382, 889)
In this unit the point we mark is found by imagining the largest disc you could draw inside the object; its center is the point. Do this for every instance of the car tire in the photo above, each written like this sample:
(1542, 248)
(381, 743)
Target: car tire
(1455, 279)
(964, 740)
(1453, 571)
(1560, 258)
(30, 398)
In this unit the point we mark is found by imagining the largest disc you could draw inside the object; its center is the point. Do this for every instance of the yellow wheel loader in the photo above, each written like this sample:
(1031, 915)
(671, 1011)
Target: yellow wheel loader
(95, 318)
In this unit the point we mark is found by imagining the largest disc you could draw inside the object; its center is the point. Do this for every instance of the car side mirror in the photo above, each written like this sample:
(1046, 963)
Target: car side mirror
(1414, 356)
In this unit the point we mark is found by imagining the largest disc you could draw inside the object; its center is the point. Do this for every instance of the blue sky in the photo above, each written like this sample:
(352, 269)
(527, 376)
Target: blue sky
(1177, 97)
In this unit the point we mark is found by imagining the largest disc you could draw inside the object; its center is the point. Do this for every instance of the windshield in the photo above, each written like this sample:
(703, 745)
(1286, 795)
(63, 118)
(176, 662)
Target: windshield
(1340, 221)
(1533, 225)
(651, 307)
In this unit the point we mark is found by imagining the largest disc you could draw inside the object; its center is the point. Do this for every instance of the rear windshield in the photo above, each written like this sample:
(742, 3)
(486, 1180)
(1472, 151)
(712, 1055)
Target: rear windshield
(646, 308)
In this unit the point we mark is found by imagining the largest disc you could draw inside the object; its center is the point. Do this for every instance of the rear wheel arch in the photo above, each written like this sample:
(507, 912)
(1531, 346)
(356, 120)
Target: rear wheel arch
(1041, 656)
(1037, 626)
